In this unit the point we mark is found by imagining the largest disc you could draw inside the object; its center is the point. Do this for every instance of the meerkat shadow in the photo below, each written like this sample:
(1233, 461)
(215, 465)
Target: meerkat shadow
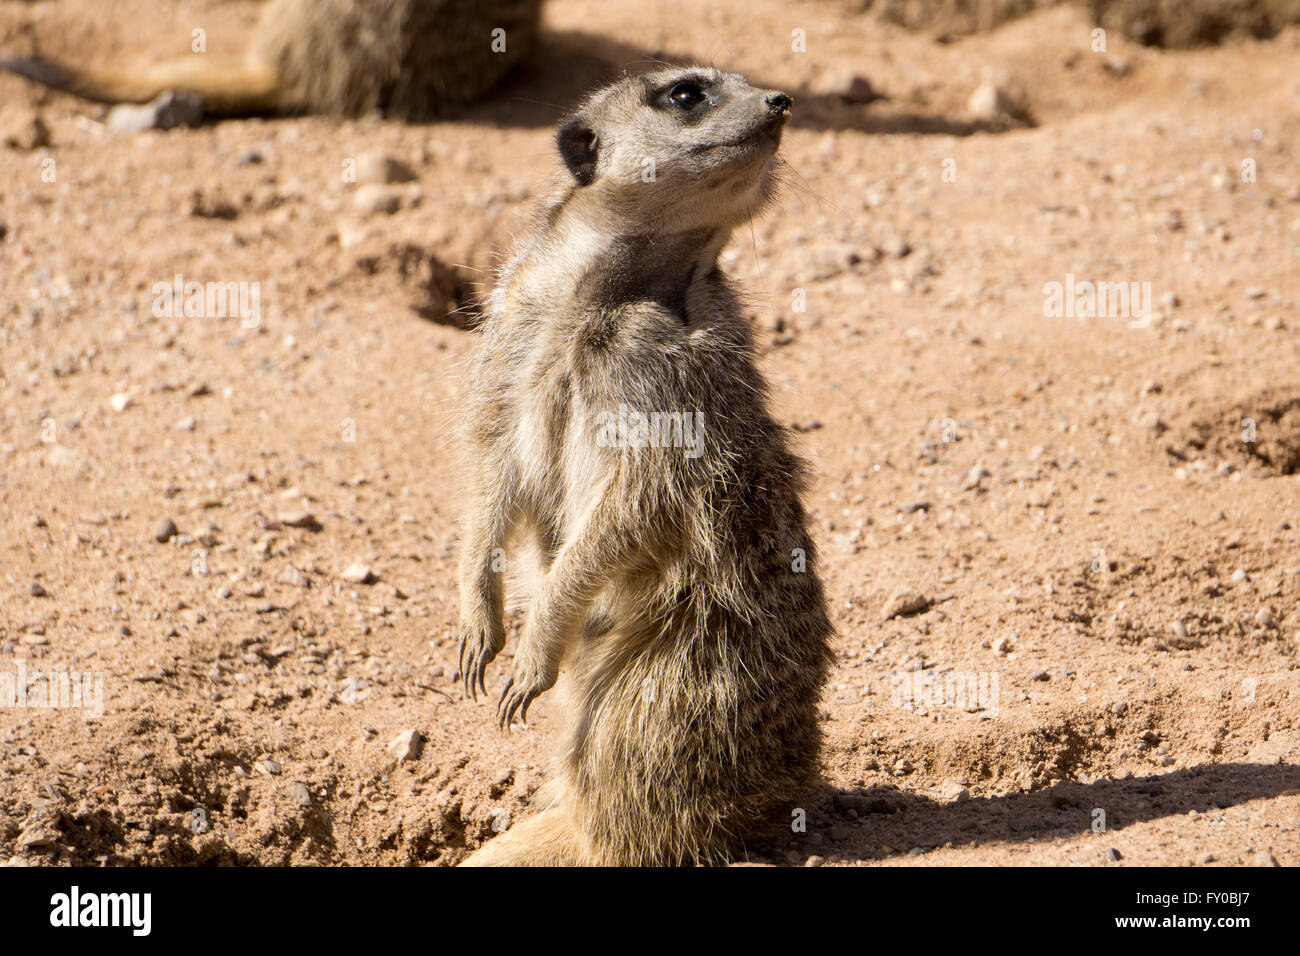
(568, 64)
(880, 823)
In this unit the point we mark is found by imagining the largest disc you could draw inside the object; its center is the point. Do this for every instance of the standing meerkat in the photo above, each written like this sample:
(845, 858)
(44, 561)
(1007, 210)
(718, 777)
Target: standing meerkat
(409, 58)
(619, 424)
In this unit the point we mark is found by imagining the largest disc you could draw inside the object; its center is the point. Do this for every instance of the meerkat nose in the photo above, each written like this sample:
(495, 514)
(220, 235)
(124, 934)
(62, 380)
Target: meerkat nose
(778, 102)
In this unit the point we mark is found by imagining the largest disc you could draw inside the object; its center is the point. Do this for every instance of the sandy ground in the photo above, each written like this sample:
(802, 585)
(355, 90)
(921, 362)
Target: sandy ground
(1101, 511)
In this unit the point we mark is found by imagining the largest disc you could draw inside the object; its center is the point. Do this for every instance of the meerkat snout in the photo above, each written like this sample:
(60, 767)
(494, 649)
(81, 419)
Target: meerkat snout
(780, 104)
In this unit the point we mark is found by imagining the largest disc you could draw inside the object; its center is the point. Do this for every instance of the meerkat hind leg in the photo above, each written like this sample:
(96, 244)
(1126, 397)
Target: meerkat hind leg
(548, 839)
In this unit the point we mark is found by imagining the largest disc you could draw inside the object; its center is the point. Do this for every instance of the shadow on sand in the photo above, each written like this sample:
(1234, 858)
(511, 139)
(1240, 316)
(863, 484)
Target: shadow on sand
(567, 65)
(859, 825)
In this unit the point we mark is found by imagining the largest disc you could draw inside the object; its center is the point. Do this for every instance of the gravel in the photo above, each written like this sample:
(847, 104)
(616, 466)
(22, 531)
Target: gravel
(904, 602)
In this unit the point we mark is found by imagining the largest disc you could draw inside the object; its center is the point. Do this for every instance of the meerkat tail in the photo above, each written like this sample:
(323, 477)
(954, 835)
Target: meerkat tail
(228, 85)
(548, 839)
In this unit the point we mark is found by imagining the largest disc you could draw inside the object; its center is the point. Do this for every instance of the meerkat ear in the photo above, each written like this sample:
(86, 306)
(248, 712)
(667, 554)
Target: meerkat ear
(579, 145)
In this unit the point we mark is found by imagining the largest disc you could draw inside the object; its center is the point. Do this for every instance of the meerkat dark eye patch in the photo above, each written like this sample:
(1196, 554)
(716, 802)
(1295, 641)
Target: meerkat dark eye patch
(579, 147)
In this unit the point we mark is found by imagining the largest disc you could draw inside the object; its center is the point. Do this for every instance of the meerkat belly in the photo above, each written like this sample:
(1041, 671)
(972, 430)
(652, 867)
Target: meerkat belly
(564, 470)
(586, 467)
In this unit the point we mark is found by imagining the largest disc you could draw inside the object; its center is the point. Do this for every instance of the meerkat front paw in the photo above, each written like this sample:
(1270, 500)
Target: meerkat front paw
(528, 681)
(480, 642)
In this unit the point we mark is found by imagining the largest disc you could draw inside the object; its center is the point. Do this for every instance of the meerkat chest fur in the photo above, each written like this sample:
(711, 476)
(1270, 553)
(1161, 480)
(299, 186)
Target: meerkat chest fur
(601, 322)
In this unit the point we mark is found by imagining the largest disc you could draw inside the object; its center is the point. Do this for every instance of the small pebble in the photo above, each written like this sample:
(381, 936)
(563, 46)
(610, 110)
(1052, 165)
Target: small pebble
(859, 90)
(897, 247)
(298, 518)
(378, 167)
(375, 199)
(406, 745)
(359, 573)
(903, 602)
(24, 130)
(990, 102)
(1117, 66)
(173, 108)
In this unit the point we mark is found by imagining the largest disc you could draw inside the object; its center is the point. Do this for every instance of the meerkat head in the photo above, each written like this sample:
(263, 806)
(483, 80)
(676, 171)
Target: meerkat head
(678, 149)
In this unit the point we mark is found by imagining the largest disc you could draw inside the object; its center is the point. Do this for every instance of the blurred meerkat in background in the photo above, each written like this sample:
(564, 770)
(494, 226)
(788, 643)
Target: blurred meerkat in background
(407, 58)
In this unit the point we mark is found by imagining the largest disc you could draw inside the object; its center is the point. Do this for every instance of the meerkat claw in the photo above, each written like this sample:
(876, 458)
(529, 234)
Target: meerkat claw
(523, 711)
(517, 703)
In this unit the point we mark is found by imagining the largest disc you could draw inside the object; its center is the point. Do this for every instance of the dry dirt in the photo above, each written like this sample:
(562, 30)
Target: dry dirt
(1101, 512)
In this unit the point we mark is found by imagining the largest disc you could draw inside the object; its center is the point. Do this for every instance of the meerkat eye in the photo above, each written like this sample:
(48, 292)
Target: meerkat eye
(687, 94)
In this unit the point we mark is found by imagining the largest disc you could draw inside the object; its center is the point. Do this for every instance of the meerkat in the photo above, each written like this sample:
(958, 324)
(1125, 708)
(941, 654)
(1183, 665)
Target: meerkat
(618, 425)
(408, 58)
